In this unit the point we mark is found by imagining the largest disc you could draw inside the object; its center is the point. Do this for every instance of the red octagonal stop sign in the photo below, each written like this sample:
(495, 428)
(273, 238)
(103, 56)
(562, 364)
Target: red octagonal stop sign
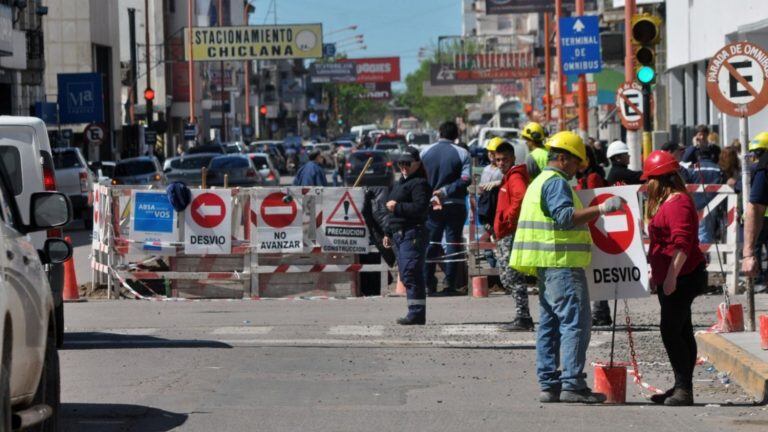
(618, 228)
(208, 210)
(277, 213)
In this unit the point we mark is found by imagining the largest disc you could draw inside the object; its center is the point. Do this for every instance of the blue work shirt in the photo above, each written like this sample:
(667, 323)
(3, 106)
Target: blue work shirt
(310, 174)
(449, 170)
(557, 200)
(758, 193)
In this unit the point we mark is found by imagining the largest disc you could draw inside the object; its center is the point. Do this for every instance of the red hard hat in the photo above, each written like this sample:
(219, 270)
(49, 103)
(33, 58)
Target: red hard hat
(659, 163)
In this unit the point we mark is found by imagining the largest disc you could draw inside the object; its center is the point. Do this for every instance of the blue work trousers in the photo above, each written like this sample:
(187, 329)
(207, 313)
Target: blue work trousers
(449, 221)
(411, 245)
(564, 328)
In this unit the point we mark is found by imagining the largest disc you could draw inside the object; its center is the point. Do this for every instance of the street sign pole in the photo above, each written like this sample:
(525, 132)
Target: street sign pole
(560, 86)
(745, 177)
(547, 67)
(583, 108)
(635, 152)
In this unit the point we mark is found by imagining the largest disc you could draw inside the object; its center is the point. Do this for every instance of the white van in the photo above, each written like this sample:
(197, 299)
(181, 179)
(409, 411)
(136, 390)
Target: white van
(359, 131)
(25, 155)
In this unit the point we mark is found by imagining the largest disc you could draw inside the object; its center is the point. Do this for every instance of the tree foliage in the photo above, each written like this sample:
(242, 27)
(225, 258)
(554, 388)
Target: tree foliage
(435, 110)
(354, 109)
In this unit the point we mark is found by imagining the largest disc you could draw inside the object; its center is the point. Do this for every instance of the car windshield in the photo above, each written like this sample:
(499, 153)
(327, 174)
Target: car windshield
(260, 161)
(191, 162)
(66, 159)
(420, 139)
(228, 163)
(387, 146)
(134, 167)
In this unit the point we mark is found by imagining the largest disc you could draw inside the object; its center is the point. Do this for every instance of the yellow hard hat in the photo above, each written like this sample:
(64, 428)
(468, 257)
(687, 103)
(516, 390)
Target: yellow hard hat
(494, 143)
(535, 132)
(570, 142)
(759, 142)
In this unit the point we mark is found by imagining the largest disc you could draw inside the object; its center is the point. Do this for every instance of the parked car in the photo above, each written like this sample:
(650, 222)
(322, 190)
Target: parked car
(29, 364)
(379, 173)
(143, 170)
(102, 170)
(188, 168)
(391, 138)
(25, 157)
(274, 149)
(206, 148)
(239, 168)
(267, 170)
(74, 179)
(234, 148)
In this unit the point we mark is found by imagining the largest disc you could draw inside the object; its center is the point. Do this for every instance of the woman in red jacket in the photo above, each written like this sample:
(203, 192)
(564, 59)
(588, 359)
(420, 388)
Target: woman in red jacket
(678, 269)
(508, 204)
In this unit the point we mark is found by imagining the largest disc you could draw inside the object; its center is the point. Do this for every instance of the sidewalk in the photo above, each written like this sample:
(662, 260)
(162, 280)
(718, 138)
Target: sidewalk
(739, 355)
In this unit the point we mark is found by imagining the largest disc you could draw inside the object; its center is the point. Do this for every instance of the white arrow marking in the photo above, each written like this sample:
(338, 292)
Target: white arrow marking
(279, 210)
(612, 223)
(579, 26)
(209, 210)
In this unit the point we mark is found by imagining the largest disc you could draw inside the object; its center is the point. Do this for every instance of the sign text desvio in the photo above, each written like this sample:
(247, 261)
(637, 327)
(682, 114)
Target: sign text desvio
(208, 223)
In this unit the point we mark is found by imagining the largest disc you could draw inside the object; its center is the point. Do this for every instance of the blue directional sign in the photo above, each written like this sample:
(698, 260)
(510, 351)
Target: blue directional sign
(329, 50)
(47, 112)
(580, 45)
(80, 98)
(190, 132)
(153, 213)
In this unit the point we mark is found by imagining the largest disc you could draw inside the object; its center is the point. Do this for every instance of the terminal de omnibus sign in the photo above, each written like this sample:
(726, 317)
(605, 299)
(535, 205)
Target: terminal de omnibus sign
(267, 42)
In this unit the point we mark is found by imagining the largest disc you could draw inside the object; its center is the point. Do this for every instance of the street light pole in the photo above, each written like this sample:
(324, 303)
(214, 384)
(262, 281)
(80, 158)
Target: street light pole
(190, 62)
(220, 13)
(247, 78)
(148, 102)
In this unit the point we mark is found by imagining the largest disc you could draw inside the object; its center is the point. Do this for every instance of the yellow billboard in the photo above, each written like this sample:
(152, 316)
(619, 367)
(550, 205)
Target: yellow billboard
(268, 42)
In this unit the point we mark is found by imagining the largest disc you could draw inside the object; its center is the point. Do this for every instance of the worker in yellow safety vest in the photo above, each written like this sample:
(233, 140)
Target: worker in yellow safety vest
(534, 135)
(553, 243)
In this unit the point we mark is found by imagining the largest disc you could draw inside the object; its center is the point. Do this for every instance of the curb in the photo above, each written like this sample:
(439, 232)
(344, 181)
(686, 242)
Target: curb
(744, 368)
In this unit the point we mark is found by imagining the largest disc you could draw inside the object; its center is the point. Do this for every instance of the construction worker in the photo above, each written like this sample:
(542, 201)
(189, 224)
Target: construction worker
(620, 174)
(553, 243)
(758, 203)
(534, 135)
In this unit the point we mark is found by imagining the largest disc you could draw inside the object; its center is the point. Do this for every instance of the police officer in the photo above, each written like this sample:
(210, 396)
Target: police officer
(553, 243)
(408, 203)
(534, 135)
(758, 203)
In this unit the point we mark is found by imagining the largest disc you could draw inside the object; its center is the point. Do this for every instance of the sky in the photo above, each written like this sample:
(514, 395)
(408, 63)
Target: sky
(390, 27)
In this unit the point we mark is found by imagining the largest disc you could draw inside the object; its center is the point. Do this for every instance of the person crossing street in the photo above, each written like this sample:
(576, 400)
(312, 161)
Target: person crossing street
(553, 243)
(408, 203)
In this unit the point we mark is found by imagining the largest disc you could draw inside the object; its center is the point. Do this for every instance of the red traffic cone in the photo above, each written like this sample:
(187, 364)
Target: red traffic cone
(71, 290)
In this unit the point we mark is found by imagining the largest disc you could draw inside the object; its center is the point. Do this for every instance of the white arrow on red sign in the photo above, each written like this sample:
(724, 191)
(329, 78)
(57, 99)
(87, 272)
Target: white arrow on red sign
(208, 210)
(612, 233)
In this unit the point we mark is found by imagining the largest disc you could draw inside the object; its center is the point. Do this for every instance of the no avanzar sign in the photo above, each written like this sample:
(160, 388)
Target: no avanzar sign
(737, 79)
(277, 215)
(619, 268)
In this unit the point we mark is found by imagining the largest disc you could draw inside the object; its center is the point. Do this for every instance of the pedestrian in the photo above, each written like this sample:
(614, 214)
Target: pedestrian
(487, 194)
(698, 142)
(706, 171)
(553, 243)
(534, 136)
(408, 203)
(594, 176)
(758, 203)
(678, 268)
(713, 143)
(731, 167)
(448, 169)
(620, 174)
(311, 173)
(339, 162)
(510, 199)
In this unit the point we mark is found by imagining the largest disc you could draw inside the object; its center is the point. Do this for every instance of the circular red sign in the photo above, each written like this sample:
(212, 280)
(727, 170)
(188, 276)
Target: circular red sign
(208, 210)
(619, 228)
(737, 79)
(277, 213)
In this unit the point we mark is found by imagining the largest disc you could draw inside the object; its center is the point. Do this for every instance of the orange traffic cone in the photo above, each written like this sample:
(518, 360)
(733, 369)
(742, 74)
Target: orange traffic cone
(71, 291)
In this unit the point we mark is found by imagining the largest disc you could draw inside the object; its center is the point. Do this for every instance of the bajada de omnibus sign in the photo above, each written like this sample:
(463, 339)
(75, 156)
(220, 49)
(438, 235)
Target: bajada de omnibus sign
(268, 42)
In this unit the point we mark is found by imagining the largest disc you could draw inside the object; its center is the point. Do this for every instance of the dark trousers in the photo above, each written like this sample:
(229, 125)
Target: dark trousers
(676, 326)
(450, 220)
(411, 245)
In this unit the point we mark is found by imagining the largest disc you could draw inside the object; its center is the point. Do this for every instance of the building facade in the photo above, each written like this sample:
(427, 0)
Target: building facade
(21, 56)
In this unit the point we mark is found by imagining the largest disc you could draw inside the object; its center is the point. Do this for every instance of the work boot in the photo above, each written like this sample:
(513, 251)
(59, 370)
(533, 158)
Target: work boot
(601, 321)
(584, 395)
(409, 320)
(680, 397)
(549, 396)
(660, 398)
(519, 324)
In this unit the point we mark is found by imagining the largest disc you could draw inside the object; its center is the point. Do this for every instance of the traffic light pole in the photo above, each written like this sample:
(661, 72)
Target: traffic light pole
(647, 126)
(635, 151)
(583, 104)
(560, 86)
(148, 60)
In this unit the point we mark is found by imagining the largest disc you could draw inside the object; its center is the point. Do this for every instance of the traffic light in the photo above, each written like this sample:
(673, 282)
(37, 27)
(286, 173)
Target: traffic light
(263, 110)
(149, 94)
(646, 34)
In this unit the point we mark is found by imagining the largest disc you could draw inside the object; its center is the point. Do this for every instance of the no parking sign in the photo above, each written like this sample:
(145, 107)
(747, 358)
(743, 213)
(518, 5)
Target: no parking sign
(619, 268)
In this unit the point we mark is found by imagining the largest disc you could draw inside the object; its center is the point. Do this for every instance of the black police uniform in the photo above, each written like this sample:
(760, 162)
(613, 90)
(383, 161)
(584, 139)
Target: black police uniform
(408, 233)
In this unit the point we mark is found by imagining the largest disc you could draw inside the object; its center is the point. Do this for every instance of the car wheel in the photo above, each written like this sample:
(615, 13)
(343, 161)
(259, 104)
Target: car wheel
(59, 314)
(49, 389)
(5, 386)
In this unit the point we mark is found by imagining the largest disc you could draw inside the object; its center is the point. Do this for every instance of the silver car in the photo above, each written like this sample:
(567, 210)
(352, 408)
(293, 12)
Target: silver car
(266, 168)
(144, 170)
(238, 168)
(188, 168)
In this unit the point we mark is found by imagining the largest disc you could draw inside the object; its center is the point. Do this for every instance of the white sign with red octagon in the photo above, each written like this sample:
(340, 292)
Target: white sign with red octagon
(619, 268)
(277, 216)
(208, 223)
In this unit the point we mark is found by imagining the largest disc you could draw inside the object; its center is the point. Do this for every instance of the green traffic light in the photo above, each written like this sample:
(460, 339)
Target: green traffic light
(646, 74)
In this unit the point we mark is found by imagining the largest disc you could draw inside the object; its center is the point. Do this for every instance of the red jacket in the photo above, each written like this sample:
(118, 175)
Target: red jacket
(511, 194)
(674, 226)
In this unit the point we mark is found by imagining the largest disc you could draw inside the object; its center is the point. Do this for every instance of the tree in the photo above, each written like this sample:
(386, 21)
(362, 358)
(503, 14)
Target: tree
(435, 110)
(354, 108)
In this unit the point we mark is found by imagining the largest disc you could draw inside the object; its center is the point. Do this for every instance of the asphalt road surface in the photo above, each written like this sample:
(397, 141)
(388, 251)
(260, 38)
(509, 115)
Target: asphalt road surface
(343, 365)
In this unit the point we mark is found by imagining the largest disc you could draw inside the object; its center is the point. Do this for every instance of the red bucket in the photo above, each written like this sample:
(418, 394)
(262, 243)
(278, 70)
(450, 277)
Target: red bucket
(764, 332)
(734, 318)
(612, 382)
(480, 286)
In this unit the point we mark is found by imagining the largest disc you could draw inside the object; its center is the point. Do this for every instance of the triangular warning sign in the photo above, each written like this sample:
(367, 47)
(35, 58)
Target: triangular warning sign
(347, 214)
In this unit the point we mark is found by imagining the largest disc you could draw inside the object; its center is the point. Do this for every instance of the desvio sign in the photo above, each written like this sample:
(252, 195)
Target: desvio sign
(377, 69)
(80, 98)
